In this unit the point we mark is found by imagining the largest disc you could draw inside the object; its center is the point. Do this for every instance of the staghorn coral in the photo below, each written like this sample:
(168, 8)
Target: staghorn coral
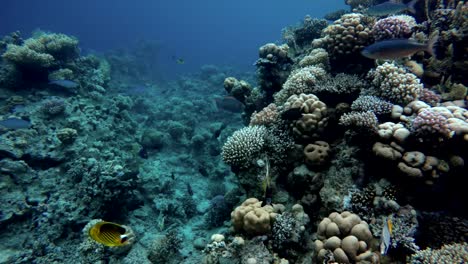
(244, 145)
(393, 27)
(300, 81)
(371, 103)
(395, 84)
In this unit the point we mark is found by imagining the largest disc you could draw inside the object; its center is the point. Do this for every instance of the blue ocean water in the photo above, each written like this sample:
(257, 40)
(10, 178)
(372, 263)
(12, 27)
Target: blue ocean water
(200, 32)
(240, 132)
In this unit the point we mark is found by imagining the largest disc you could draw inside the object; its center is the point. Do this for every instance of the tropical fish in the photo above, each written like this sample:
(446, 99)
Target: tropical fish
(266, 185)
(229, 103)
(386, 236)
(397, 48)
(64, 83)
(15, 123)
(391, 7)
(111, 234)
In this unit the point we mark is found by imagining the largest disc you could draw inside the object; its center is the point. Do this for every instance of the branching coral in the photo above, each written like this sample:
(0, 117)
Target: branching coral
(393, 27)
(395, 84)
(373, 104)
(300, 81)
(348, 35)
(448, 254)
(244, 145)
(366, 120)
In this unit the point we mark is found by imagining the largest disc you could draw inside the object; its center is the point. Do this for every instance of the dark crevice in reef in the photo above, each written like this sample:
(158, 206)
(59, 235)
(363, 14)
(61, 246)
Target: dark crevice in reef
(41, 163)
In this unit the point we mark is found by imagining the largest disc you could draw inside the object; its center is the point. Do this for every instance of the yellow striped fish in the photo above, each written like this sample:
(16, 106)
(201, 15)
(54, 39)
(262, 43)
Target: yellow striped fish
(111, 234)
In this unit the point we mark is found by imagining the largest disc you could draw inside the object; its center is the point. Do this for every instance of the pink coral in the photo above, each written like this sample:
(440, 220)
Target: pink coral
(393, 27)
(430, 122)
(429, 97)
(268, 115)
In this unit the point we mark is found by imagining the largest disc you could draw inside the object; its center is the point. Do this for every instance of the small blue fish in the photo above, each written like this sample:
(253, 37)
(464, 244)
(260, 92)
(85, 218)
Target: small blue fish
(65, 83)
(15, 123)
(391, 7)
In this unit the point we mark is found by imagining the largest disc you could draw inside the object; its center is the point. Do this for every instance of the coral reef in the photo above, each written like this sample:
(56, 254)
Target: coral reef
(325, 156)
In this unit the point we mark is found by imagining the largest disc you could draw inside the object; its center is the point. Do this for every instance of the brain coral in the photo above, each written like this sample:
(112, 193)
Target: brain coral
(395, 84)
(393, 27)
(348, 35)
(347, 237)
(244, 145)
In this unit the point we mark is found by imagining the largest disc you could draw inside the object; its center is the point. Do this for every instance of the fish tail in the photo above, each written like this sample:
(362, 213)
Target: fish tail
(431, 44)
(411, 7)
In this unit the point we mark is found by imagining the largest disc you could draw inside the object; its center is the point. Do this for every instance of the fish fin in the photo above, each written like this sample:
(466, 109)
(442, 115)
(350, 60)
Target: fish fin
(410, 6)
(431, 44)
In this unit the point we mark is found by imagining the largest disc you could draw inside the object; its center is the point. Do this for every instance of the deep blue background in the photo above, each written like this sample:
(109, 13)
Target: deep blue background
(200, 31)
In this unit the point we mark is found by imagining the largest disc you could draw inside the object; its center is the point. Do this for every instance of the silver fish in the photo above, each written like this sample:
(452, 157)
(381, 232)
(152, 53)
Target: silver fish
(397, 48)
(65, 83)
(391, 7)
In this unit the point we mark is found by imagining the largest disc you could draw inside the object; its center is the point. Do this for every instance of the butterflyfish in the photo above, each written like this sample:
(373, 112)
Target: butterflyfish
(111, 234)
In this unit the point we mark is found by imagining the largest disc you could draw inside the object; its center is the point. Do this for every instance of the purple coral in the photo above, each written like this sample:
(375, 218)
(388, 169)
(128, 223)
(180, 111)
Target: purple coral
(429, 97)
(430, 122)
(393, 27)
